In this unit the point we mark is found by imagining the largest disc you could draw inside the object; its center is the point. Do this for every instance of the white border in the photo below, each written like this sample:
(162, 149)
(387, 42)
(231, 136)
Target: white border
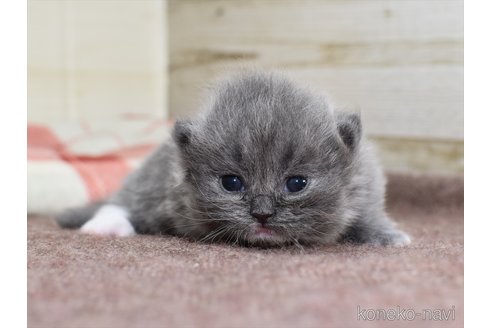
(478, 162)
(13, 106)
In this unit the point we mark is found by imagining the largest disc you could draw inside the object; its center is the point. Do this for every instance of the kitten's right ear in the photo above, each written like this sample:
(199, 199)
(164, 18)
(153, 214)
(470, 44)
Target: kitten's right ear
(182, 133)
(349, 128)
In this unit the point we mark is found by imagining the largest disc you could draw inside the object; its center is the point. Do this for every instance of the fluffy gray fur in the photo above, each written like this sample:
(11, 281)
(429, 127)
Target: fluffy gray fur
(263, 128)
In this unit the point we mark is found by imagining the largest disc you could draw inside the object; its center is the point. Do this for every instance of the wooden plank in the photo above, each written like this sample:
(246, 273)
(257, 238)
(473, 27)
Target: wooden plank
(431, 156)
(46, 92)
(314, 21)
(400, 102)
(96, 60)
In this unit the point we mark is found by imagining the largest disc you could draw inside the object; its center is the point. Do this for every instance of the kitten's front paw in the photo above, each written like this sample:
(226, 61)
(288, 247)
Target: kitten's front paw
(110, 220)
(395, 238)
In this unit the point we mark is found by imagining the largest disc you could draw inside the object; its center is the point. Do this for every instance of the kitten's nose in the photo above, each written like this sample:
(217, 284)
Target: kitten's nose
(262, 208)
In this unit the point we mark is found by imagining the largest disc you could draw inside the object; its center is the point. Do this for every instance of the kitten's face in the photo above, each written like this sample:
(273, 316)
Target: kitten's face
(268, 164)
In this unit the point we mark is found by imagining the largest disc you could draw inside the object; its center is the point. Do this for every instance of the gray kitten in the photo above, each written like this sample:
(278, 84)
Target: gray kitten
(268, 163)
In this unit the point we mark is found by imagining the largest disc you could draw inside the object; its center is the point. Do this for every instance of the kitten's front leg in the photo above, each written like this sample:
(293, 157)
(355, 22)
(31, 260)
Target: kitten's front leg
(392, 237)
(379, 232)
(109, 220)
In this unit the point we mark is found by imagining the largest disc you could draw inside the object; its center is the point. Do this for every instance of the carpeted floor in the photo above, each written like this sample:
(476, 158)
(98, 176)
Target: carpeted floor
(76, 280)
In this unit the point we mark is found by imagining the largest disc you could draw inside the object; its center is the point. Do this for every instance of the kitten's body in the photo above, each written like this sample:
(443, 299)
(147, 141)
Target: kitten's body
(263, 129)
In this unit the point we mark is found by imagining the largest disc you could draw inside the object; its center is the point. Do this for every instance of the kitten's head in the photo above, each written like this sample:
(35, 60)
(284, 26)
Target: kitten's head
(269, 162)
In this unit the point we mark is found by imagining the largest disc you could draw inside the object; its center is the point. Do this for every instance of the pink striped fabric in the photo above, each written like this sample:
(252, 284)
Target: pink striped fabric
(76, 163)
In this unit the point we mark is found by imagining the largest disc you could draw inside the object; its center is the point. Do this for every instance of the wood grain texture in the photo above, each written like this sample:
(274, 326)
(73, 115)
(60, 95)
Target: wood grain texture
(431, 156)
(96, 60)
(400, 63)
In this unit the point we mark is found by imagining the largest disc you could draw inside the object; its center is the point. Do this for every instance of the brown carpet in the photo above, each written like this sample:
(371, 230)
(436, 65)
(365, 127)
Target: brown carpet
(77, 280)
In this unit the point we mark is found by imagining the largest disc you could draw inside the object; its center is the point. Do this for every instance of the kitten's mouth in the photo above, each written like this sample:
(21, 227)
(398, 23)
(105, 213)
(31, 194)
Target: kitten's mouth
(263, 231)
(264, 234)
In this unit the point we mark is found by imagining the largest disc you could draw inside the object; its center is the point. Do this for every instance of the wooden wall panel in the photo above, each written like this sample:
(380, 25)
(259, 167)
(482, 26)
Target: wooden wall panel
(398, 62)
(96, 60)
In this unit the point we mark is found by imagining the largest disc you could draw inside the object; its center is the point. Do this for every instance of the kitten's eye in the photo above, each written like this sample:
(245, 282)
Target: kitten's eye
(232, 183)
(295, 184)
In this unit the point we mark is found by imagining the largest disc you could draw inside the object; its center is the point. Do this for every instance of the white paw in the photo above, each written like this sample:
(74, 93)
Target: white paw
(109, 220)
(399, 239)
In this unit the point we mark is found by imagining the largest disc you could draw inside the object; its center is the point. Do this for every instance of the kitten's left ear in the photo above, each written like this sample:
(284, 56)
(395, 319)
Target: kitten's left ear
(349, 128)
(182, 133)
